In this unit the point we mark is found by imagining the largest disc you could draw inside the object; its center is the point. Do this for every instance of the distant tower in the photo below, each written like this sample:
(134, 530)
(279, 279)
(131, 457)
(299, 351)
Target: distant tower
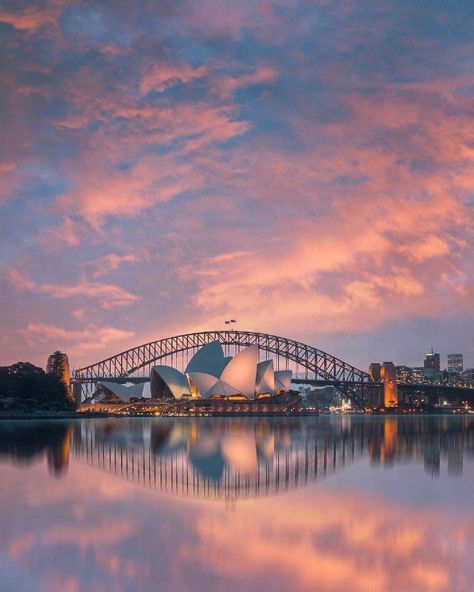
(58, 364)
(455, 363)
(388, 375)
(432, 361)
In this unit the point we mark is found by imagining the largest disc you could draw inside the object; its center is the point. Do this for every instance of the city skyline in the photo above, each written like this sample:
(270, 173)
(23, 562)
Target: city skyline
(304, 168)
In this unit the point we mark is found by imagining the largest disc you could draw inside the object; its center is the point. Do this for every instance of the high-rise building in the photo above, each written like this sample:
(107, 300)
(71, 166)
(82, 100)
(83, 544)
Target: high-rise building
(455, 363)
(58, 364)
(432, 361)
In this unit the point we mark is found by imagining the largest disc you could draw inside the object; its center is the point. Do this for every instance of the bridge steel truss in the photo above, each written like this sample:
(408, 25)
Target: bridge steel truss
(351, 381)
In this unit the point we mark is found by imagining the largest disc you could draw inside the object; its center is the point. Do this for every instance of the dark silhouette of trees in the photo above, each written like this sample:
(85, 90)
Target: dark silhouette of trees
(24, 386)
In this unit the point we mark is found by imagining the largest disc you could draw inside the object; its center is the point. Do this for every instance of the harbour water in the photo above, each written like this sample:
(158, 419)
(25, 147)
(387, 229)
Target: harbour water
(330, 503)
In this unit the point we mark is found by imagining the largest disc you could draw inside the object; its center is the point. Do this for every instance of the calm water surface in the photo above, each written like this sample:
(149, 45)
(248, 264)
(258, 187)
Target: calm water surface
(329, 504)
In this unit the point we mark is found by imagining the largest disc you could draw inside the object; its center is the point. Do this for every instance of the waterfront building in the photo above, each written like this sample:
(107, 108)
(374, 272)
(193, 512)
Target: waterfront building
(168, 383)
(417, 374)
(404, 374)
(455, 363)
(469, 374)
(58, 365)
(114, 392)
(431, 375)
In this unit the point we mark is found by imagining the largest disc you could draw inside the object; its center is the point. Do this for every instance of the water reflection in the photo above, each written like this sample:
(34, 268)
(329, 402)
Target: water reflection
(238, 458)
(381, 523)
(29, 441)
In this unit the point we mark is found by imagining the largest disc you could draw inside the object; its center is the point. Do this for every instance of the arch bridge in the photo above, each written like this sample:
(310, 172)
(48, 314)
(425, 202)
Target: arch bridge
(318, 367)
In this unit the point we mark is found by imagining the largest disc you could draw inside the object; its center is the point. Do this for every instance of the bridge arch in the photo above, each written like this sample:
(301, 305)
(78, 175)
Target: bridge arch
(322, 365)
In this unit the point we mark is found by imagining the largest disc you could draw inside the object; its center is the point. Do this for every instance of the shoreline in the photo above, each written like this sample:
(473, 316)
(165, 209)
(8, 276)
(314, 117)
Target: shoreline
(50, 415)
(62, 415)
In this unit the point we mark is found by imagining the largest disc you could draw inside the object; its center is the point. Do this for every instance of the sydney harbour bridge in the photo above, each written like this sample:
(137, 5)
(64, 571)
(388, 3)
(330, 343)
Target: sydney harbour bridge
(310, 365)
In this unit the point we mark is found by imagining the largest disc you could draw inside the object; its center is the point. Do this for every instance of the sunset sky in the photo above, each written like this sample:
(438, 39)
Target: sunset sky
(305, 167)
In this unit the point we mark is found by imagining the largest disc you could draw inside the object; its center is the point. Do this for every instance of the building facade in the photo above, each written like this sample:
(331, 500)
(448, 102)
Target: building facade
(455, 363)
(432, 361)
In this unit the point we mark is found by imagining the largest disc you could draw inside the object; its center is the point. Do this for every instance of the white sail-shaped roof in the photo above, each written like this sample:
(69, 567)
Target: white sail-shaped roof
(209, 359)
(124, 392)
(241, 372)
(223, 389)
(282, 380)
(203, 382)
(265, 377)
(166, 380)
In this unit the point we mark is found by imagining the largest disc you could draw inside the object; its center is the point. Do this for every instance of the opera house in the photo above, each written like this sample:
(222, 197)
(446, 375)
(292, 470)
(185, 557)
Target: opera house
(209, 375)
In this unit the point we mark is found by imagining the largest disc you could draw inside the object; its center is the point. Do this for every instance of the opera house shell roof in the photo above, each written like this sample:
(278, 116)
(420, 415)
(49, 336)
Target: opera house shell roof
(210, 374)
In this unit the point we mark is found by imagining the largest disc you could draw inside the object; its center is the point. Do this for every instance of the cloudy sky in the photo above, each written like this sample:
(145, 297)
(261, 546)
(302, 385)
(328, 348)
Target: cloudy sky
(306, 167)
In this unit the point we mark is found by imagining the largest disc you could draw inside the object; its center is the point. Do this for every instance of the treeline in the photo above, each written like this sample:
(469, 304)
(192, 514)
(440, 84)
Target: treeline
(25, 387)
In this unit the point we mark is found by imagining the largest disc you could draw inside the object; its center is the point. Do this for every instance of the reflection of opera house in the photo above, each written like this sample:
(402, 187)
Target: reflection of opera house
(209, 376)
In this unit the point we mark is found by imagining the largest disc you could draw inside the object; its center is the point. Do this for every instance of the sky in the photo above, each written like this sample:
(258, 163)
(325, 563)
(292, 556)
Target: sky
(304, 167)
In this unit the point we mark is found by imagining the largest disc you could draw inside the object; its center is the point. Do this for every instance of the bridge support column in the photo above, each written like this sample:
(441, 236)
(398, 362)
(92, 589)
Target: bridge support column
(77, 391)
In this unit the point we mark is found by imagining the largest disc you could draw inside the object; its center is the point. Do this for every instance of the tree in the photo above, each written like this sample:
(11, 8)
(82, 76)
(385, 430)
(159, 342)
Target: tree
(25, 386)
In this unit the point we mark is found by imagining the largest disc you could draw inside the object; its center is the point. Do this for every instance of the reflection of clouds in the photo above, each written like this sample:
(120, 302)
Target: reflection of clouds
(119, 566)
(336, 542)
(20, 545)
(314, 539)
(106, 532)
(12, 578)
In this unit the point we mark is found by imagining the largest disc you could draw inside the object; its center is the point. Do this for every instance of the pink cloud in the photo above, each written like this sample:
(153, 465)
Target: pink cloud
(30, 18)
(163, 75)
(19, 280)
(227, 85)
(109, 296)
(78, 343)
(104, 265)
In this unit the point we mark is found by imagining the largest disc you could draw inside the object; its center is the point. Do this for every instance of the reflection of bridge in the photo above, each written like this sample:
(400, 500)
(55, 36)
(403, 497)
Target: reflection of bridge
(234, 462)
(230, 459)
(237, 458)
(175, 351)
